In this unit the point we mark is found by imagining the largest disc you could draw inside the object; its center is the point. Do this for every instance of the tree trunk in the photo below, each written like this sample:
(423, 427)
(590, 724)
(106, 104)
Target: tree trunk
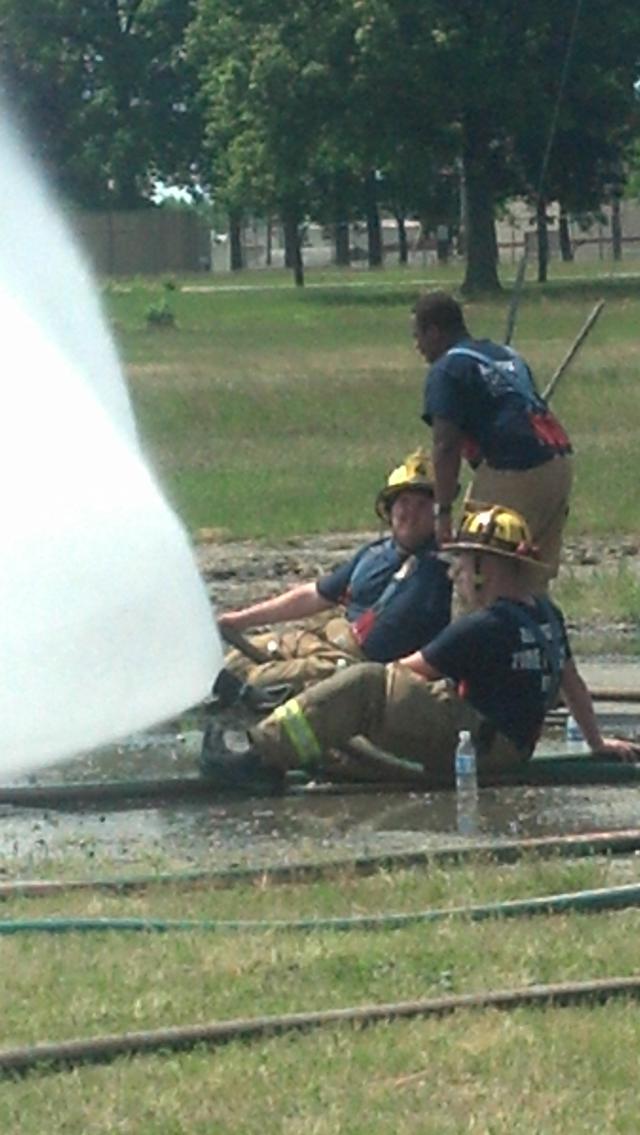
(482, 251)
(403, 246)
(341, 239)
(374, 233)
(543, 239)
(268, 252)
(566, 247)
(463, 219)
(236, 259)
(616, 229)
(292, 246)
(289, 243)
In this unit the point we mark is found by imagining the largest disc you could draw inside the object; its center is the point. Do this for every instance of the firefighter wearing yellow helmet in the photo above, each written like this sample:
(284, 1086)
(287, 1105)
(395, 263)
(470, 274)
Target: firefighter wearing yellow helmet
(495, 532)
(384, 601)
(501, 531)
(415, 474)
(494, 672)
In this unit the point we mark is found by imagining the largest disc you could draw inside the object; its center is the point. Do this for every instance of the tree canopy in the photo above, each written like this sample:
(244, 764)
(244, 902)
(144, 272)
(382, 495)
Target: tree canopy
(106, 92)
(332, 109)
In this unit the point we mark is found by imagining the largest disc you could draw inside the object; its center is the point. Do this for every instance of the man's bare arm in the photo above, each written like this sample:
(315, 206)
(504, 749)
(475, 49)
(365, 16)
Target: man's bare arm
(579, 701)
(447, 457)
(297, 603)
(420, 666)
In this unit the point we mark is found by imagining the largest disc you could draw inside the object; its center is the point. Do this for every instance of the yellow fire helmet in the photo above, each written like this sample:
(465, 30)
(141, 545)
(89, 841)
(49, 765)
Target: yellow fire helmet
(415, 473)
(501, 531)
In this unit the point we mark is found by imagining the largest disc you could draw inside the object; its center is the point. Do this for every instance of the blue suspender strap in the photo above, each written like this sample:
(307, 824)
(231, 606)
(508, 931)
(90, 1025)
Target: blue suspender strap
(477, 355)
(550, 649)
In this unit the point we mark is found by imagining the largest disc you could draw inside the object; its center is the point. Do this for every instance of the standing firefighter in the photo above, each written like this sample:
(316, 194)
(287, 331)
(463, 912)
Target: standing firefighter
(394, 595)
(493, 671)
(481, 400)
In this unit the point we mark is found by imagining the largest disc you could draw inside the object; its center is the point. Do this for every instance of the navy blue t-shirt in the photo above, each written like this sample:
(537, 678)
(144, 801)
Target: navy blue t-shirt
(394, 602)
(498, 664)
(494, 402)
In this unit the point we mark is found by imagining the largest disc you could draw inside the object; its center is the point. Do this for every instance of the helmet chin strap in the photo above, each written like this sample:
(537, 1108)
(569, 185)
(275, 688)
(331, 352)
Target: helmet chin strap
(478, 576)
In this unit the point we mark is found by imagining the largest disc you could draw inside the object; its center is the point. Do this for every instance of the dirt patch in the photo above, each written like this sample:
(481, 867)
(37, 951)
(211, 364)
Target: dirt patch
(242, 571)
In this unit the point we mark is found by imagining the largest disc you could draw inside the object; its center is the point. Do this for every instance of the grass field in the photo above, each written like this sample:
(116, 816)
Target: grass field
(529, 1070)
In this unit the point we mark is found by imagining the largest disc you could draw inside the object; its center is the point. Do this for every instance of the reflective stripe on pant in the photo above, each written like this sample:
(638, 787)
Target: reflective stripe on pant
(300, 655)
(349, 703)
(292, 720)
(541, 495)
(394, 708)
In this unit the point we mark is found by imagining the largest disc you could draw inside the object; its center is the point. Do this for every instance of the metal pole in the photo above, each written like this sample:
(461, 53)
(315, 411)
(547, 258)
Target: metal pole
(573, 349)
(516, 296)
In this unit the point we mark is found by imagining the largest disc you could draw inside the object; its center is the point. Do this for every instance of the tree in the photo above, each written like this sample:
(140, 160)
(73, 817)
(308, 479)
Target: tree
(106, 91)
(262, 94)
(398, 125)
(574, 139)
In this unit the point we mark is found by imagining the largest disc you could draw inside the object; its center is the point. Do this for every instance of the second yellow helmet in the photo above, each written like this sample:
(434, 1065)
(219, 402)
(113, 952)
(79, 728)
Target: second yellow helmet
(499, 530)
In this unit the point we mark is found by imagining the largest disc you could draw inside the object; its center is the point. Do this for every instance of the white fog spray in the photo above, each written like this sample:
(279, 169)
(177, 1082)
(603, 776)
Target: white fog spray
(106, 625)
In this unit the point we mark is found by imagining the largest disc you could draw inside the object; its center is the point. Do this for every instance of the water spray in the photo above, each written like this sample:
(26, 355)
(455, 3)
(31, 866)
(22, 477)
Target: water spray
(107, 627)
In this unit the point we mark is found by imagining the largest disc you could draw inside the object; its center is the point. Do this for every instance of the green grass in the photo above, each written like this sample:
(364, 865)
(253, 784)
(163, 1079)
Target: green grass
(503, 1075)
(589, 592)
(530, 1070)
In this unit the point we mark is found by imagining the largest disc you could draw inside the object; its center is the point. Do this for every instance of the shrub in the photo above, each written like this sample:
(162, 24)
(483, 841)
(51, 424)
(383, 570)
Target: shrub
(160, 315)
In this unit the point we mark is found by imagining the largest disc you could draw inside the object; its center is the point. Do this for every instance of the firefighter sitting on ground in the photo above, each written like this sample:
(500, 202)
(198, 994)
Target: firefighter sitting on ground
(394, 592)
(494, 671)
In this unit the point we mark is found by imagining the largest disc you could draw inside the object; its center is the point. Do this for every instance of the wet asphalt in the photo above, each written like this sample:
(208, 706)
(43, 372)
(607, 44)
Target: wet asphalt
(309, 823)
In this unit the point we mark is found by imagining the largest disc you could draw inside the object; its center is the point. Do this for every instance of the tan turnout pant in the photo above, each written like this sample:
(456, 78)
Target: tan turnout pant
(392, 707)
(298, 656)
(541, 495)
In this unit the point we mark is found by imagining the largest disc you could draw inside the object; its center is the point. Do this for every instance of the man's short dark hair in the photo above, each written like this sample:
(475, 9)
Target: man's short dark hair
(441, 309)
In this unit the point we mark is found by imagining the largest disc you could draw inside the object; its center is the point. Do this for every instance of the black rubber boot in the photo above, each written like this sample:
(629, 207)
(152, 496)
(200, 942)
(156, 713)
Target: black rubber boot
(236, 768)
(264, 699)
(229, 692)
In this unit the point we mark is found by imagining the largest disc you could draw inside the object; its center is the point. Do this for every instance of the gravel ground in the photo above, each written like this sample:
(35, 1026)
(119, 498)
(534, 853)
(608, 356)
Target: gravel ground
(243, 571)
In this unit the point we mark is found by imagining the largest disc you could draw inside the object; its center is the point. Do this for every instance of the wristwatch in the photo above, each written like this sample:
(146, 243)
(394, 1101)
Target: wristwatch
(441, 510)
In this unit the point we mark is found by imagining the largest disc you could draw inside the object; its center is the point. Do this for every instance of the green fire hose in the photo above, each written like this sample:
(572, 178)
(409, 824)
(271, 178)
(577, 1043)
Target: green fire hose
(589, 901)
(543, 770)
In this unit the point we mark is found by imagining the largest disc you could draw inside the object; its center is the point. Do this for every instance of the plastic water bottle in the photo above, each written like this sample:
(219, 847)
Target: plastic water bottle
(573, 734)
(466, 785)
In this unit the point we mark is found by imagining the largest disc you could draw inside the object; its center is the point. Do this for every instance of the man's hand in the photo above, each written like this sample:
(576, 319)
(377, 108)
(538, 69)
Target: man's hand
(231, 619)
(619, 749)
(444, 529)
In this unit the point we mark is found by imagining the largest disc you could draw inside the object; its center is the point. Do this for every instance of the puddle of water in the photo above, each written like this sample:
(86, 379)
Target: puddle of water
(305, 825)
(143, 755)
